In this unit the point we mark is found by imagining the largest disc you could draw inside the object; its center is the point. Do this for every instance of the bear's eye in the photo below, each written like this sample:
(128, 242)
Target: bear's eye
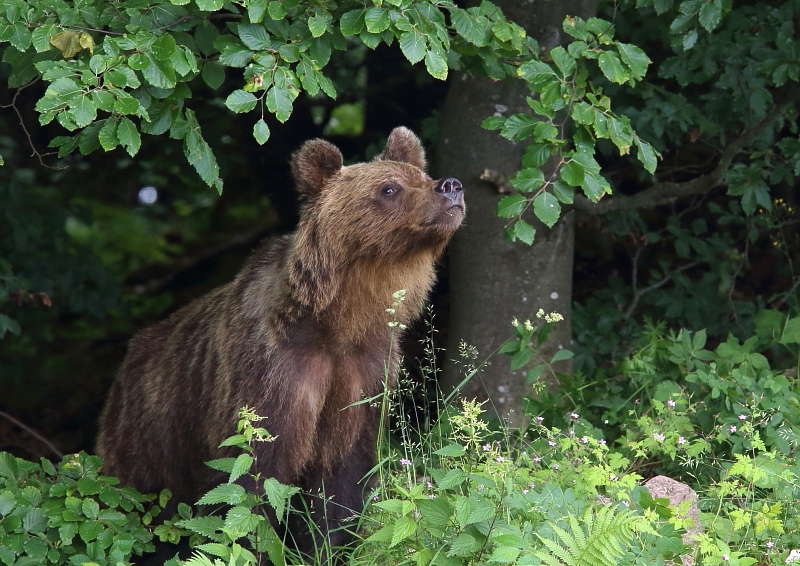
(389, 190)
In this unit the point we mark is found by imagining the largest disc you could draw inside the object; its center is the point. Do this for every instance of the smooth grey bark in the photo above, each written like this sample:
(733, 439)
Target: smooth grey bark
(493, 281)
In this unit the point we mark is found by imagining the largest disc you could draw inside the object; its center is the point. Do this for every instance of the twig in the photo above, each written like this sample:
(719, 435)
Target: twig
(13, 105)
(33, 433)
(667, 192)
(639, 292)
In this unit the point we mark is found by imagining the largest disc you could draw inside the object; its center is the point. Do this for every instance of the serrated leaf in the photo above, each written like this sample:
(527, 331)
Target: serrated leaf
(563, 192)
(546, 208)
(276, 10)
(241, 101)
(40, 38)
(90, 508)
(261, 132)
(562, 60)
(527, 180)
(436, 64)
(524, 231)
(689, 40)
(435, 511)
(281, 94)
(710, 15)
(319, 23)
(504, 554)
(128, 136)
(493, 122)
(88, 530)
(612, 67)
(199, 154)
(254, 36)
(159, 73)
(475, 30)
(636, 59)
(510, 206)
(453, 450)
(791, 331)
(412, 44)
(230, 493)
(82, 110)
(352, 22)
(88, 486)
(209, 5)
(404, 527)
(256, 10)
(571, 173)
(451, 479)
(377, 20)
(241, 466)
(646, 155)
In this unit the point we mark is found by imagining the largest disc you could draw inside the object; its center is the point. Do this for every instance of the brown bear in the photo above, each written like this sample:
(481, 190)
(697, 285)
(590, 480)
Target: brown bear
(300, 335)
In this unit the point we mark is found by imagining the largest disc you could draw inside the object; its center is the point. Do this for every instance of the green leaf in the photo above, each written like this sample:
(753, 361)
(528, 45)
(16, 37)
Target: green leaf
(547, 208)
(213, 74)
(89, 530)
(209, 5)
(40, 38)
(256, 10)
(276, 10)
(159, 73)
(352, 22)
(254, 36)
(128, 136)
(636, 59)
(261, 132)
(436, 64)
(451, 479)
(240, 467)
(562, 355)
(791, 332)
(612, 67)
(504, 554)
(435, 511)
(412, 44)
(280, 96)
(646, 154)
(710, 14)
(519, 359)
(474, 29)
(404, 527)
(319, 23)
(527, 180)
(511, 206)
(453, 450)
(230, 493)
(88, 486)
(90, 508)
(82, 110)
(493, 122)
(164, 47)
(524, 231)
(377, 20)
(563, 60)
(537, 154)
(689, 40)
(240, 101)
(571, 173)
(563, 192)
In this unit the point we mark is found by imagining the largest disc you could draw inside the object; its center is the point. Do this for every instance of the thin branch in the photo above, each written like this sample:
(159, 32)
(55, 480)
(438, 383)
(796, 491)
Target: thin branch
(33, 433)
(667, 192)
(13, 105)
(638, 294)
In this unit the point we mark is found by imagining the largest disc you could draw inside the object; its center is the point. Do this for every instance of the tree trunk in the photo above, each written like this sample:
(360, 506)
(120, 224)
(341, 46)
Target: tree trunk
(493, 281)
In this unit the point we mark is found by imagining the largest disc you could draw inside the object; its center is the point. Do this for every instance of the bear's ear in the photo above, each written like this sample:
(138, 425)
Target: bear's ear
(405, 147)
(313, 164)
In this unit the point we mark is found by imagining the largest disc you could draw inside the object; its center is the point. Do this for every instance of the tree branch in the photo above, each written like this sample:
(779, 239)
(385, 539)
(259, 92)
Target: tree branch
(667, 192)
(33, 433)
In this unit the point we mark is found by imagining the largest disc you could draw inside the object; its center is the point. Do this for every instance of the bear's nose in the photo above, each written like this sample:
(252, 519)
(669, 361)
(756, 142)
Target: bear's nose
(450, 188)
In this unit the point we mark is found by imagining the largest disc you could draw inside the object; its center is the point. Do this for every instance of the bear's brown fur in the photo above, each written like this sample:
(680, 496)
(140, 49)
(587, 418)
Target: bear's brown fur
(300, 335)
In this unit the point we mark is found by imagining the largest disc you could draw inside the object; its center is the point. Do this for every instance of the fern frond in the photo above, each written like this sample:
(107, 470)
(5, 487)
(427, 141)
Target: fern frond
(599, 538)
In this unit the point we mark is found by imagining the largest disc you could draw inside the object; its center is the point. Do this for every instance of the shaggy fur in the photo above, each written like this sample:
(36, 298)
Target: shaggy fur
(300, 335)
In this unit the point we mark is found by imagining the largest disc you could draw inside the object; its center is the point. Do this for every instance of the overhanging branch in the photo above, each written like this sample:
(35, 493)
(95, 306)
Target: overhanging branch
(667, 192)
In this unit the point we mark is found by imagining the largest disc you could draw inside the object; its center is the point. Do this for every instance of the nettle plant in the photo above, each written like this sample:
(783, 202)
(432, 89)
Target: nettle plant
(70, 514)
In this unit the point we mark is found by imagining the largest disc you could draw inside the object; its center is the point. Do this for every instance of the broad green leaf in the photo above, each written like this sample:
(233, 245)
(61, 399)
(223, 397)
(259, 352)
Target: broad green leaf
(404, 527)
(563, 192)
(254, 36)
(159, 73)
(213, 74)
(474, 29)
(436, 64)
(511, 206)
(519, 359)
(546, 208)
(571, 173)
(280, 96)
(200, 156)
(451, 479)
(453, 450)
(240, 467)
(435, 511)
(230, 493)
(527, 180)
(204, 36)
(235, 56)
(504, 554)
(240, 101)
(562, 355)
(352, 22)
(90, 508)
(646, 154)
(126, 105)
(163, 47)
(209, 5)
(319, 23)
(493, 122)
(621, 135)
(537, 154)
(82, 110)
(89, 530)
(377, 20)
(261, 132)
(128, 136)
(710, 14)
(791, 332)
(583, 113)
(412, 44)
(563, 60)
(41, 37)
(636, 59)
(289, 52)
(612, 67)
(276, 10)
(524, 231)
(689, 40)
(256, 10)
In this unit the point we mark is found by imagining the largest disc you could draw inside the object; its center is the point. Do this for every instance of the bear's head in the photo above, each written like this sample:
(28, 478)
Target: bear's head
(384, 212)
